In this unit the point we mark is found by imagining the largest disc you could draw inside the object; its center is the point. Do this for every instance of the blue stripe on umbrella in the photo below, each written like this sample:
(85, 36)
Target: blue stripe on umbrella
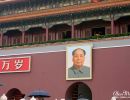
(39, 94)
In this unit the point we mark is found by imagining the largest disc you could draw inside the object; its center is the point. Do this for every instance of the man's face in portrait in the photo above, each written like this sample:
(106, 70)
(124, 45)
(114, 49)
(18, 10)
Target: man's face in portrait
(78, 58)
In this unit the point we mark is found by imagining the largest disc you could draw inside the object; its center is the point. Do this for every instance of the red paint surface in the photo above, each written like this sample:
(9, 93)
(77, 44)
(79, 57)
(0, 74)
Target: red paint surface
(111, 71)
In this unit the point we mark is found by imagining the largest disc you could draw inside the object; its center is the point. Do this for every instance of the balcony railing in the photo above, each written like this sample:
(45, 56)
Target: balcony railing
(95, 37)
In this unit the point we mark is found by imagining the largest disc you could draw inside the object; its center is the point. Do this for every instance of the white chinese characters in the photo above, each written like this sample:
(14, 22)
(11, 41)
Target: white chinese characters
(18, 63)
(8, 64)
(15, 64)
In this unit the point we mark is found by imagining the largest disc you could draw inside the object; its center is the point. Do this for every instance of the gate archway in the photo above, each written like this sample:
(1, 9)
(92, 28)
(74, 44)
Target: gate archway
(77, 91)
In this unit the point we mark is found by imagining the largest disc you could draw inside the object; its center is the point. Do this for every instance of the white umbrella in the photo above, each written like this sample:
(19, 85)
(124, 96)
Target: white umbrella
(33, 98)
(23, 99)
(113, 98)
(3, 97)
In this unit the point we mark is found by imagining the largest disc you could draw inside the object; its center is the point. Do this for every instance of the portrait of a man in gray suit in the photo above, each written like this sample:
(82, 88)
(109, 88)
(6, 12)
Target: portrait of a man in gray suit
(79, 62)
(78, 69)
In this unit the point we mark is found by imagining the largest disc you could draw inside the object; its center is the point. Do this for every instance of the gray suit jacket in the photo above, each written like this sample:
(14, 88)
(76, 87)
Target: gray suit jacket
(81, 73)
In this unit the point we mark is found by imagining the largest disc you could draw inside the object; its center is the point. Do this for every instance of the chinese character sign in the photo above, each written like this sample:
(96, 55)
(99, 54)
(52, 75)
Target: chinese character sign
(15, 64)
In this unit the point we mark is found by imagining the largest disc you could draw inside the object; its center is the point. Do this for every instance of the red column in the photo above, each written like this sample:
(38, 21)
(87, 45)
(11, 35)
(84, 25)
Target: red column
(1, 38)
(23, 36)
(11, 40)
(112, 25)
(47, 33)
(94, 1)
(49, 36)
(52, 35)
(75, 31)
(57, 36)
(72, 30)
(33, 37)
(79, 33)
(43, 36)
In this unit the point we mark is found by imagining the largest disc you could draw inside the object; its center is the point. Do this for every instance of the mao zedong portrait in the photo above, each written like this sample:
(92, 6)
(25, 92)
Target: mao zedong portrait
(78, 69)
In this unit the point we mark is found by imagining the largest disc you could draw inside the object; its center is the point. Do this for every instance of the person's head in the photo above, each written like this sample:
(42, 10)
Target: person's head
(78, 57)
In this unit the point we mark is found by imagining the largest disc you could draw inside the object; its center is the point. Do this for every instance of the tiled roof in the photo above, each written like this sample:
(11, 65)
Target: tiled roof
(68, 9)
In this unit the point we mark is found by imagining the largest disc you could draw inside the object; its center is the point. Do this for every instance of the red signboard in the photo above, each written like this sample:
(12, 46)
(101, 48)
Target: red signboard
(15, 64)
